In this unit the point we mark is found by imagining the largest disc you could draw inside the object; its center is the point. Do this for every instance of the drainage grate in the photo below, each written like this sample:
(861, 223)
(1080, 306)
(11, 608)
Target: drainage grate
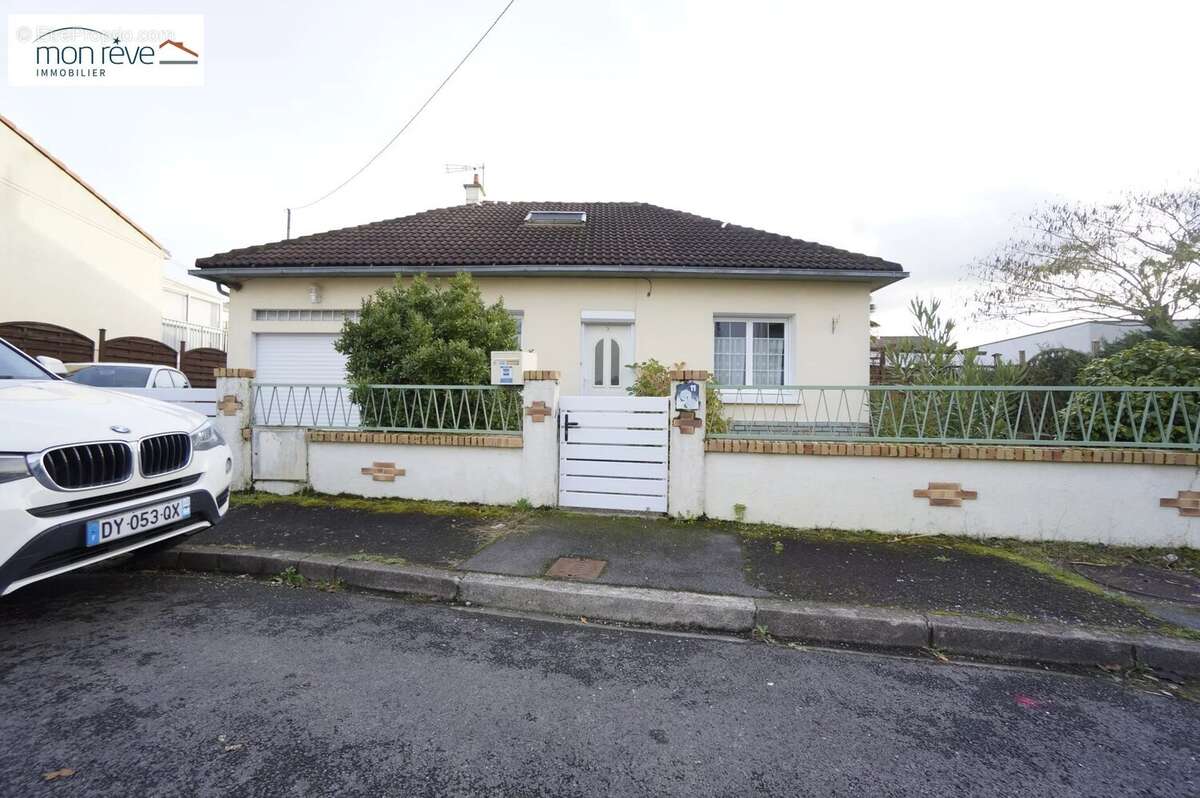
(576, 568)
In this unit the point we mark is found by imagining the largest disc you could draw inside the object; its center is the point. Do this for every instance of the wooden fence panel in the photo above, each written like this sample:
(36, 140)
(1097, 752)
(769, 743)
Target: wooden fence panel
(38, 338)
(135, 349)
(198, 365)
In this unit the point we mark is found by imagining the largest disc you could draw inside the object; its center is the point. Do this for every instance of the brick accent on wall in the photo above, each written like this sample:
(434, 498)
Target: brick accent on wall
(1037, 454)
(383, 472)
(540, 374)
(246, 373)
(229, 405)
(679, 375)
(944, 494)
(687, 422)
(538, 411)
(416, 439)
(1186, 501)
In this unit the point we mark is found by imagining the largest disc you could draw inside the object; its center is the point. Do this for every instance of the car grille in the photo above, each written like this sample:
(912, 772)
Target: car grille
(89, 465)
(165, 453)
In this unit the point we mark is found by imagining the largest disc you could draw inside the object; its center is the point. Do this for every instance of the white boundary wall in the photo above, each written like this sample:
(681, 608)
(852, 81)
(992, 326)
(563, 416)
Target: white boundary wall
(1092, 502)
(479, 475)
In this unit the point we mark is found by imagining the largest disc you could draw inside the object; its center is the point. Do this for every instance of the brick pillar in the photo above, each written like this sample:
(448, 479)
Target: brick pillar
(685, 477)
(233, 419)
(539, 451)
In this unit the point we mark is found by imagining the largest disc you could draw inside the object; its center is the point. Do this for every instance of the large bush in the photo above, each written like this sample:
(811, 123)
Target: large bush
(1148, 416)
(429, 332)
(426, 333)
(1147, 363)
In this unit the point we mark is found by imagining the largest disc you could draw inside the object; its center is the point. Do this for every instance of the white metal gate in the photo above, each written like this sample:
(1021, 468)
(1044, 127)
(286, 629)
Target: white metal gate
(612, 452)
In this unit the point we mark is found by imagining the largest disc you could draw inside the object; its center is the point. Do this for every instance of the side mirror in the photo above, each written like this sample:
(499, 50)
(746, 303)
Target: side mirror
(52, 364)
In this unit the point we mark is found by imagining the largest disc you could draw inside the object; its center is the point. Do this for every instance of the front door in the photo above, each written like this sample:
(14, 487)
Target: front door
(607, 357)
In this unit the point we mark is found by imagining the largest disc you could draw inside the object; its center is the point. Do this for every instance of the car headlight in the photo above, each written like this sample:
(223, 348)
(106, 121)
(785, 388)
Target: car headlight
(206, 437)
(13, 466)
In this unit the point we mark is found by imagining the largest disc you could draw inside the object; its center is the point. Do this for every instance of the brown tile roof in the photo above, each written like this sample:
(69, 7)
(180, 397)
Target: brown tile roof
(616, 234)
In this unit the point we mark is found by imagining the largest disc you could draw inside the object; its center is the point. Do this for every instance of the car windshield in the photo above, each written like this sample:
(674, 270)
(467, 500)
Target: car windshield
(111, 376)
(15, 367)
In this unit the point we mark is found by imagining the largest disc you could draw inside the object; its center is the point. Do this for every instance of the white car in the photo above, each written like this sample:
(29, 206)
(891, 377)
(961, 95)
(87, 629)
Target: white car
(126, 375)
(88, 474)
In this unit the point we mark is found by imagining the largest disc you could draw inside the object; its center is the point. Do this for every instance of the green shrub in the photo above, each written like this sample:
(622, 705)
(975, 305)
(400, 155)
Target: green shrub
(426, 333)
(1055, 367)
(652, 378)
(1147, 363)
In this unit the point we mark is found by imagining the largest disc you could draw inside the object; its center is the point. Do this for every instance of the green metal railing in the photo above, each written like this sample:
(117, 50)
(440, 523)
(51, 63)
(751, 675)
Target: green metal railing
(1161, 418)
(393, 408)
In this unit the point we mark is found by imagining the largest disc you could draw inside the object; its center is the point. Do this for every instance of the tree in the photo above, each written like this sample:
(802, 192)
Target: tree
(933, 357)
(1135, 260)
(426, 333)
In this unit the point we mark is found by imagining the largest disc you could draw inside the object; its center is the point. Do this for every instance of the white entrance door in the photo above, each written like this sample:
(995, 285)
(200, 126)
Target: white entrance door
(607, 355)
(612, 452)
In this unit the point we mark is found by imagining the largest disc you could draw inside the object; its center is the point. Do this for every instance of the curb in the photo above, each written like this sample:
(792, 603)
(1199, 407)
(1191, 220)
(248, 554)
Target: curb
(830, 624)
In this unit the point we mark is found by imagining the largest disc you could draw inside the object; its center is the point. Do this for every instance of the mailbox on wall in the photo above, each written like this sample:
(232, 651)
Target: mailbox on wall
(508, 368)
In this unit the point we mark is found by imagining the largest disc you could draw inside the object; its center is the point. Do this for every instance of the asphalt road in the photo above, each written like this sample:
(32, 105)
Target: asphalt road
(187, 685)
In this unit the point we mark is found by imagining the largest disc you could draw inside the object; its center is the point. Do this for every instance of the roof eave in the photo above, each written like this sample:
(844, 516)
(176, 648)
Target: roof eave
(878, 277)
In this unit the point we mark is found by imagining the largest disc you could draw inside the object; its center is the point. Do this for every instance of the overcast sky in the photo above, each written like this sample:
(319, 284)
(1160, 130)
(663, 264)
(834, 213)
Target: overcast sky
(919, 132)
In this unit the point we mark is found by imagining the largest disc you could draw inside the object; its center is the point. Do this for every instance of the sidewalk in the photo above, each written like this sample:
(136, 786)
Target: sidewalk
(832, 587)
(911, 573)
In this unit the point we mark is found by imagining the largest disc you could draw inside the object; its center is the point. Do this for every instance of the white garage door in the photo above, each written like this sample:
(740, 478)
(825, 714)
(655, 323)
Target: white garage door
(298, 359)
(301, 360)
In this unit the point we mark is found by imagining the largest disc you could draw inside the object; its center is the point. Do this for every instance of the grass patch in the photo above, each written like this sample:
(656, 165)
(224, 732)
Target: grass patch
(379, 558)
(388, 505)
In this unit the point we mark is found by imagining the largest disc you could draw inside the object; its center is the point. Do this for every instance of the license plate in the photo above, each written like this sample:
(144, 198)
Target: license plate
(102, 530)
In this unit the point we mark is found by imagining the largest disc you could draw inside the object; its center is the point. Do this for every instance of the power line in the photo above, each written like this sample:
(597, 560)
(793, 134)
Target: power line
(411, 119)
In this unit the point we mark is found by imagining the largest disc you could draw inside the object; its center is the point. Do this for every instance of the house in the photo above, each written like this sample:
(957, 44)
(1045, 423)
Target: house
(68, 256)
(1085, 336)
(596, 286)
(194, 314)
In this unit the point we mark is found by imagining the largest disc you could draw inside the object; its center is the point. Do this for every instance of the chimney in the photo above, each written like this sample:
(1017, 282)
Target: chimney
(475, 192)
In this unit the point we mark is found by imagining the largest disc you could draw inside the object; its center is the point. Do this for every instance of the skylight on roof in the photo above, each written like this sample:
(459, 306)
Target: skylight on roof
(556, 217)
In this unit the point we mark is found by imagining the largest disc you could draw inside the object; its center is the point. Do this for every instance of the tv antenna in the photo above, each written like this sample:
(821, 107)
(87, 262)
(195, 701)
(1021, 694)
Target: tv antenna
(454, 168)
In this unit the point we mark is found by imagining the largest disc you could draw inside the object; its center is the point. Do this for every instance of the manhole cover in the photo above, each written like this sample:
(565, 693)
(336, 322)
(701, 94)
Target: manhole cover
(1145, 581)
(576, 568)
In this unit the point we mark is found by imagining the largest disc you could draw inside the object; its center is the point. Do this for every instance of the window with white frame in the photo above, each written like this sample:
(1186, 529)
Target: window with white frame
(303, 314)
(750, 351)
(519, 317)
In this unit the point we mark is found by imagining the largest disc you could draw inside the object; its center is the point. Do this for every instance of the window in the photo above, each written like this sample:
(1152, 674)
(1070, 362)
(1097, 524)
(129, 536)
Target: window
(750, 351)
(163, 379)
(556, 217)
(303, 314)
(180, 380)
(111, 376)
(175, 306)
(519, 317)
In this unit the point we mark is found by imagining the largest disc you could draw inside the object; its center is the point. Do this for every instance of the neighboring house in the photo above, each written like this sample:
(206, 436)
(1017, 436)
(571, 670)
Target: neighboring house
(1085, 336)
(596, 286)
(69, 257)
(193, 313)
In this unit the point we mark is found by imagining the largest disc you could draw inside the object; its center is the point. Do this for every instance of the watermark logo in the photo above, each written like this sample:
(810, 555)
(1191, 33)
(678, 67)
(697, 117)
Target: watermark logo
(105, 50)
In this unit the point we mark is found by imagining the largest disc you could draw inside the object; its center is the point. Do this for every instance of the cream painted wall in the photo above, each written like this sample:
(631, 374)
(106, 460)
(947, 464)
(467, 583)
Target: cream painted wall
(1108, 503)
(673, 317)
(65, 257)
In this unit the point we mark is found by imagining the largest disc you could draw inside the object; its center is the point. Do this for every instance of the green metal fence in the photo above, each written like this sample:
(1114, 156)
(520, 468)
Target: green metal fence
(1161, 418)
(393, 408)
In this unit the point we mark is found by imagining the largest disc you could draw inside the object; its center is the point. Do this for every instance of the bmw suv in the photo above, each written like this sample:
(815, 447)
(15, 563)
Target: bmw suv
(88, 474)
